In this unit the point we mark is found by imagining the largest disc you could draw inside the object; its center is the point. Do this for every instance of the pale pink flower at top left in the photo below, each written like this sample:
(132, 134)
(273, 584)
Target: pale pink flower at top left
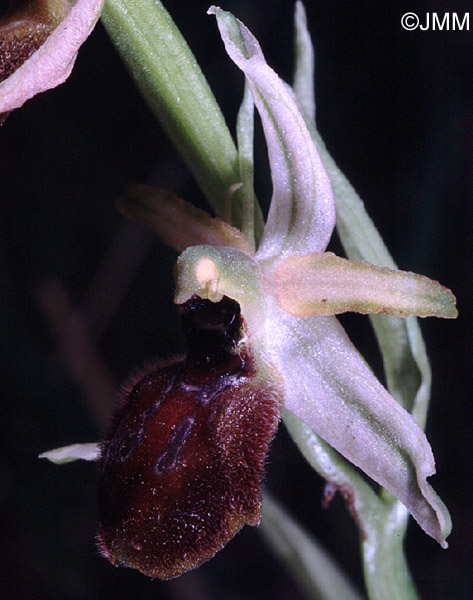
(39, 45)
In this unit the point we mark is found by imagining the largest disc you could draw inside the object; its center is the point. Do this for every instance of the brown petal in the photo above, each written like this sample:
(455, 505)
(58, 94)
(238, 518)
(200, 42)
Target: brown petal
(178, 223)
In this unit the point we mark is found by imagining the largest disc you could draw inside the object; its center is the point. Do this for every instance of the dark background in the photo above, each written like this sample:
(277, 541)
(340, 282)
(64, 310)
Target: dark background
(395, 108)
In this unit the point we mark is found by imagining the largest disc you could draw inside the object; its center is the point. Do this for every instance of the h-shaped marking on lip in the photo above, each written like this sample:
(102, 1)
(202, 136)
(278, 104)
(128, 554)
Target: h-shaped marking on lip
(169, 457)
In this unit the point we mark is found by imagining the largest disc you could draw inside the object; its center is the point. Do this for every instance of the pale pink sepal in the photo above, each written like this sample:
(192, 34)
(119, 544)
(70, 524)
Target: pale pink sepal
(51, 64)
(301, 217)
(331, 389)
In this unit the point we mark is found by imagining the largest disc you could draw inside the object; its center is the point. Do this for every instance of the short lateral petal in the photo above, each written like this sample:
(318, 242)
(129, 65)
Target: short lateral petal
(331, 389)
(178, 223)
(52, 63)
(302, 212)
(322, 283)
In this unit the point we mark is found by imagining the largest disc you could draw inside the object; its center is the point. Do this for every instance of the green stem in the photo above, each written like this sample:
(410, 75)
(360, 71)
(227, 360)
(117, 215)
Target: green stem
(382, 518)
(314, 570)
(386, 572)
(171, 82)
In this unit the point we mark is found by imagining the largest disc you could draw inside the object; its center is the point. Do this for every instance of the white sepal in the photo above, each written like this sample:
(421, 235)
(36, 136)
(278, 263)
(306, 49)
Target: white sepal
(302, 212)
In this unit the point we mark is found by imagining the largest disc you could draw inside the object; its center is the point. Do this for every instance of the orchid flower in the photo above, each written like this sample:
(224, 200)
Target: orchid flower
(39, 46)
(288, 289)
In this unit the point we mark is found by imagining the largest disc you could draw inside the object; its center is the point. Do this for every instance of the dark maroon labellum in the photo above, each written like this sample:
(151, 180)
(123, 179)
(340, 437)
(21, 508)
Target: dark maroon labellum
(181, 472)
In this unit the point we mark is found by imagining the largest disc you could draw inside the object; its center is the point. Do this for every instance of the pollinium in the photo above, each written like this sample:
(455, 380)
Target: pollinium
(181, 471)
